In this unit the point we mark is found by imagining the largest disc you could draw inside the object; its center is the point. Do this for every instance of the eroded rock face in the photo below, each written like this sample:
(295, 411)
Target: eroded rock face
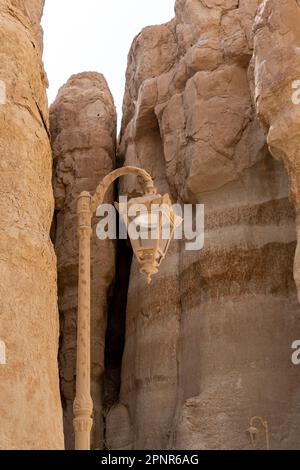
(197, 366)
(83, 129)
(277, 42)
(30, 407)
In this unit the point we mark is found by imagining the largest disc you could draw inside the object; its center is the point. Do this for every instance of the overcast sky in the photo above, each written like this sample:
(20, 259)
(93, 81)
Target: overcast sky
(95, 35)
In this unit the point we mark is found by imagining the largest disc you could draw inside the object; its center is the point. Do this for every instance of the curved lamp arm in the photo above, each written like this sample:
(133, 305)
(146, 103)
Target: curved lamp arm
(103, 187)
(86, 207)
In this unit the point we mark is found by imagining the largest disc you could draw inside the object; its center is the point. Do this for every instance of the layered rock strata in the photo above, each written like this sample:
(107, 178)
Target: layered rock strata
(276, 64)
(208, 344)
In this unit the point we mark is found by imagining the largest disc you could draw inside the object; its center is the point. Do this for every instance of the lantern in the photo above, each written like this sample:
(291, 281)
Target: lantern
(150, 222)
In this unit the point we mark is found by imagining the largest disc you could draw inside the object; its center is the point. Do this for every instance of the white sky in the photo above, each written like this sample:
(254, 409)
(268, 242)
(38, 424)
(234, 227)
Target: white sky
(95, 35)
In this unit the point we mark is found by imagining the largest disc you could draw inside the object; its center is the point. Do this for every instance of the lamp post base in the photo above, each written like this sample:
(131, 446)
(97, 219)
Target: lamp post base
(82, 427)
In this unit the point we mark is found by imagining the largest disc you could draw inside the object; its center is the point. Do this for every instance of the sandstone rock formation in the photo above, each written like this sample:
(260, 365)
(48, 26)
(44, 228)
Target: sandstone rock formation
(198, 366)
(30, 407)
(83, 128)
(277, 39)
(209, 101)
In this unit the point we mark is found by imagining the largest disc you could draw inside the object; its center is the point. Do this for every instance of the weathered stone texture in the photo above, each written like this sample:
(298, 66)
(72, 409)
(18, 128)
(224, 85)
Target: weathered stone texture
(30, 407)
(83, 128)
(276, 64)
(200, 364)
(209, 101)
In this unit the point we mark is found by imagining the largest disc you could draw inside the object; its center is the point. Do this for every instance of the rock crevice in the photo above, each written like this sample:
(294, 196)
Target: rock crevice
(83, 130)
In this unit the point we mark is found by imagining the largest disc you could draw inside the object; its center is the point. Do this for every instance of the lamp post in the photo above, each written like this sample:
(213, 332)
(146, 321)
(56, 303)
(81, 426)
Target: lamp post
(254, 431)
(149, 256)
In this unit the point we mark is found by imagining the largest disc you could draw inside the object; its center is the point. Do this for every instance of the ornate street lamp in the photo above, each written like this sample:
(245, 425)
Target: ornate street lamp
(255, 432)
(151, 222)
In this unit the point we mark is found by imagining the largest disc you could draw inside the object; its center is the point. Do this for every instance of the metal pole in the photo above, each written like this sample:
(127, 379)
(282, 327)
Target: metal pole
(86, 206)
(83, 405)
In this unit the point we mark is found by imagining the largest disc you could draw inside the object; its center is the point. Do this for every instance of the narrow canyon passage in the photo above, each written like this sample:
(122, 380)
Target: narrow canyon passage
(116, 326)
(186, 362)
(209, 112)
(83, 131)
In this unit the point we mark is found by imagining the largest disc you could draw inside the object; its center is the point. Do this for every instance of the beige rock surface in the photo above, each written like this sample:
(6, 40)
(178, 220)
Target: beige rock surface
(200, 364)
(30, 407)
(209, 101)
(83, 128)
(277, 40)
